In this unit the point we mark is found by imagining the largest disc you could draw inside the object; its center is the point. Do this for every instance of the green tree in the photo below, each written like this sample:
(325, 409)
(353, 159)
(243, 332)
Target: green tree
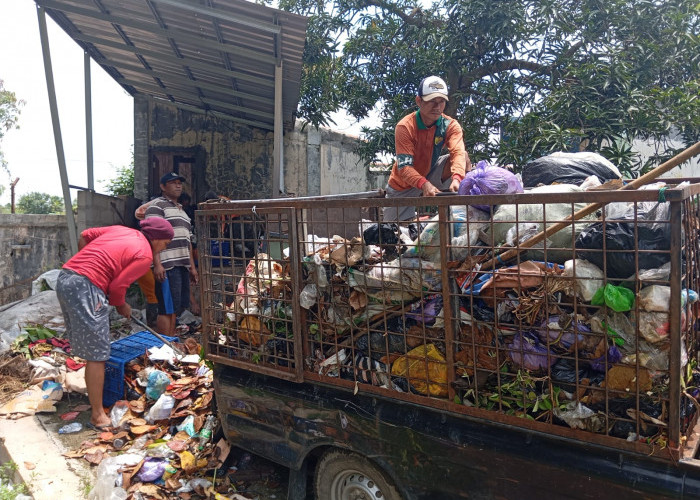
(546, 74)
(40, 203)
(9, 117)
(123, 183)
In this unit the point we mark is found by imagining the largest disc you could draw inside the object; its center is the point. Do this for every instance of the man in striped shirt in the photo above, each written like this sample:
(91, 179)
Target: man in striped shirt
(173, 267)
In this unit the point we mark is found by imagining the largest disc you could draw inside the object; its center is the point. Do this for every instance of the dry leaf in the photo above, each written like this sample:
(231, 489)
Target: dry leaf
(94, 457)
(181, 436)
(142, 429)
(74, 454)
(181, 382)
(152, 490)
(357, 300)
(137, 406)
(252, 331)
(106, 436)
(176, 445)
(172, 484)
(137, 421)
(203, 402)
(181, 394)
(29, 465)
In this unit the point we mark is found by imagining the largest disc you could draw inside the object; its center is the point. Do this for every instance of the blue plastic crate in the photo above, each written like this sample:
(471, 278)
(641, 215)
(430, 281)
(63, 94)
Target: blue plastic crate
(123, 351)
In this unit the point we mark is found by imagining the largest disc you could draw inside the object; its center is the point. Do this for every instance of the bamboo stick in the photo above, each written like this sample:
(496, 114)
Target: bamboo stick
(589, 209)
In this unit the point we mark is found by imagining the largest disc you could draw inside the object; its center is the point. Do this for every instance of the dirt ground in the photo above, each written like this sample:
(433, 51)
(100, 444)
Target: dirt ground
(254, 477)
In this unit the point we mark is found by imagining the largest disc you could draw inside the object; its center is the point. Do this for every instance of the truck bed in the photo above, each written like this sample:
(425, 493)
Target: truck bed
(321, 294)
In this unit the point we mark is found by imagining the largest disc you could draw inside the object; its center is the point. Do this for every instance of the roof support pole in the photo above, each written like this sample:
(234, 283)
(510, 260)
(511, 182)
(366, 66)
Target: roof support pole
(278, 148)
(51, 89)
(88, 121)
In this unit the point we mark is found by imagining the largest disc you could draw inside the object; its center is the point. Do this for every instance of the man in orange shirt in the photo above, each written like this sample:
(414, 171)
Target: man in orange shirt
(420, 138)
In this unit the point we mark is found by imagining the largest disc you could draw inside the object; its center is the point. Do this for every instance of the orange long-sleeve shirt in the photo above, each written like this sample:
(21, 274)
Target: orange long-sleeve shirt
(418, 148)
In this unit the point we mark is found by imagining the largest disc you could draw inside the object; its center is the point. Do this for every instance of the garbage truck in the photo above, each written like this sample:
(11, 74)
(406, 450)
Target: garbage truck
(534, 345)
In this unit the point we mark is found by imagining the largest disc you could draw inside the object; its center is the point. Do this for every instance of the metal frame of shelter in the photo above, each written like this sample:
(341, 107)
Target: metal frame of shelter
(231, 59)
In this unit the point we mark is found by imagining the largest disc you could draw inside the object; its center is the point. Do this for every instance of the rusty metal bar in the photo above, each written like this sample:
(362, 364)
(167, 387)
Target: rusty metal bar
(675, 333)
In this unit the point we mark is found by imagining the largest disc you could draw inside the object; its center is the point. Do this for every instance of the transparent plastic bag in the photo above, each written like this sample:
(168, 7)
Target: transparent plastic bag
(161, 409)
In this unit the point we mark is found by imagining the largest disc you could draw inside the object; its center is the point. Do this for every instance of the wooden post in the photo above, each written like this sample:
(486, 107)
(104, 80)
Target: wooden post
(12, 195)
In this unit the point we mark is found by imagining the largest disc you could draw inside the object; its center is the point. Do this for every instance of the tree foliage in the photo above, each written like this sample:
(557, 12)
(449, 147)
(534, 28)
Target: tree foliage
(9, 117)
(40, 203)
(547, 74)
(123, 183)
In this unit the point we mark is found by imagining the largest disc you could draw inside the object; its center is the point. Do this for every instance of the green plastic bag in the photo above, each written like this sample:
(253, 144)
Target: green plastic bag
(617, 298)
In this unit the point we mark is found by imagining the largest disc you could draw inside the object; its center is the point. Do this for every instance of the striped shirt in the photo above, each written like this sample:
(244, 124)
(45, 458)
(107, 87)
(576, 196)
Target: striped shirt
(177, 253)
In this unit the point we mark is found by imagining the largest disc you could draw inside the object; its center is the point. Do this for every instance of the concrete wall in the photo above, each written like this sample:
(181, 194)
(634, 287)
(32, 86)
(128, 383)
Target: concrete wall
(97, 210)
(238, 159)
(30, 245)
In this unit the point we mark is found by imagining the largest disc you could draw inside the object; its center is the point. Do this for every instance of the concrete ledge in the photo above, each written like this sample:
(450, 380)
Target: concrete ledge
(54, 476)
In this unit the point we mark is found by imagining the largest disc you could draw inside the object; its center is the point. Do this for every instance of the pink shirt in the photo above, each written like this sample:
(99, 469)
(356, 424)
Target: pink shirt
(114, 257)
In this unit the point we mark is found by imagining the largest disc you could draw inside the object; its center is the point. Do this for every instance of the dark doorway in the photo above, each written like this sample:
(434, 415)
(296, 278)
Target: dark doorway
(188, 162)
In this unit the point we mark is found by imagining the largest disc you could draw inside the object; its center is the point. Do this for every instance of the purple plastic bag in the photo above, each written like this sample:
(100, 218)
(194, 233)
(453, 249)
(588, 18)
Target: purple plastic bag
(527, 351)
(561, 339)
(487, 179)
(152, 469)
(428, 312)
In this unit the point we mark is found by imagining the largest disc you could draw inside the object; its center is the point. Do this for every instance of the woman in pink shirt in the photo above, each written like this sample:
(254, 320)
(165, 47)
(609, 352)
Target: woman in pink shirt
(108, 261)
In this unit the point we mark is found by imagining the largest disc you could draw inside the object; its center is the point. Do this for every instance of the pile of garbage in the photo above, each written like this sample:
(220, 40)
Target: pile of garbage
(561, 341)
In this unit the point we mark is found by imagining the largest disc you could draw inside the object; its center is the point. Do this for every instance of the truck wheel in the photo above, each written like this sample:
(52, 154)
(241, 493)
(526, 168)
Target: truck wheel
(341, 475)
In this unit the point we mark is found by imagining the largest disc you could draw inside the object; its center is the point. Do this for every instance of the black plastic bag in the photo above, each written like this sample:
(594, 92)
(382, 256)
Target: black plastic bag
(620, 242)
(381, 234)
(375, 344)
(567, 168)
(564, 372)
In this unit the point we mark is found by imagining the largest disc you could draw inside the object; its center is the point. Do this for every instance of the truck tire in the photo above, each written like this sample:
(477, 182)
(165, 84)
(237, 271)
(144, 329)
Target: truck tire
(342, 475)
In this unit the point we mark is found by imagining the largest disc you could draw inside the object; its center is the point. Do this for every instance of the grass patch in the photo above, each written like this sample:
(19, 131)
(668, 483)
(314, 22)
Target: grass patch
(9, 490)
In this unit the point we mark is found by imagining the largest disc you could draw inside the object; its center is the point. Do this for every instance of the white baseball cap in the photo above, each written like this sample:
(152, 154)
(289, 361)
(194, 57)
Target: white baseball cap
(432, 87)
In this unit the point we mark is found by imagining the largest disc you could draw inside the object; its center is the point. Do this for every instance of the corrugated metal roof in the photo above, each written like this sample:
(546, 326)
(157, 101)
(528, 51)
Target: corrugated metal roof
(213, 55)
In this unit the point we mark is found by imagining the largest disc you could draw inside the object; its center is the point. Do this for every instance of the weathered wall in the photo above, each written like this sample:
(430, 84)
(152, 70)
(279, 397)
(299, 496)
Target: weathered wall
(29, 246)
(239, 158)
(97, 210)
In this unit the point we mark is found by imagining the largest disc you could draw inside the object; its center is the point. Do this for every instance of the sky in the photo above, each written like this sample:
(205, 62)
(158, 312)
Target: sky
(30, 151)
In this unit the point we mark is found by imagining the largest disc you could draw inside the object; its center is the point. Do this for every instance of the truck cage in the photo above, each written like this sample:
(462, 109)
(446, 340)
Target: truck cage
(460, 313)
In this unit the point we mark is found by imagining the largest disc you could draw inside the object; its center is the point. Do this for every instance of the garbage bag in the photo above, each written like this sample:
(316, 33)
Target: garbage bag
(426, 311)
(425, 369)
(562, 337)
(617, 298)
(466, 222)
(588, 277)
(531, 214)
(568, 168)
(152, 469)
(620, 242)
(375, 344)
(487, 179)
(655, 298)
(528, 351)
(381, 234)
(564, 371)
